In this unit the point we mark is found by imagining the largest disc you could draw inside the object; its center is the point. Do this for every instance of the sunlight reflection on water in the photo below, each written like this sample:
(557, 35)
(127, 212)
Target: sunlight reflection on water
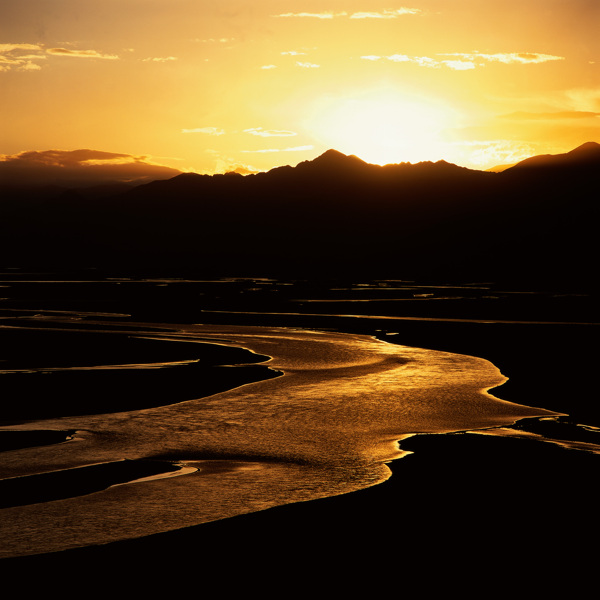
(325, 428)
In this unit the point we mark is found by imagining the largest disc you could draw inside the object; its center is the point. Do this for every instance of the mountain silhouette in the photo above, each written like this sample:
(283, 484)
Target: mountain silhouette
(51, 172)
(586, 156)
(334, 215)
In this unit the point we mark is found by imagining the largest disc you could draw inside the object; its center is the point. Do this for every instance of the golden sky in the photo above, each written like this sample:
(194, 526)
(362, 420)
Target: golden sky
(211, 86)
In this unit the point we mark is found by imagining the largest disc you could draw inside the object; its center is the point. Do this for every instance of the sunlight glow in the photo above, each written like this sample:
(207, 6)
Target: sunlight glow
(382, 127)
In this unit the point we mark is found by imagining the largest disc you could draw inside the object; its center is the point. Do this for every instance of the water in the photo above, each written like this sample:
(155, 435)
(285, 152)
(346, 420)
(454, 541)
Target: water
(324, 415)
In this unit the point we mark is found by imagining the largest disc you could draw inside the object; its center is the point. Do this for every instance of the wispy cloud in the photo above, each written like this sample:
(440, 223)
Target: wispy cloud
(206, 130)
(64, 158)
(81, 53)
(522, 58)
(459, 65)
(488, 153)
(256, 131)
(11, 47)
(321, 15)
(259, 131)
(467, 61)
(12, 56)
(307, 65)
(268, 67)
(386, 14)
(423, 61)
(160, 59)
(383, 14)
(19, 57)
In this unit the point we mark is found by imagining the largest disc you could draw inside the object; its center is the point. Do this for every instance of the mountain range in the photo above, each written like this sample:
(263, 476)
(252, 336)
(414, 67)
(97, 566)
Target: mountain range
(334, 215)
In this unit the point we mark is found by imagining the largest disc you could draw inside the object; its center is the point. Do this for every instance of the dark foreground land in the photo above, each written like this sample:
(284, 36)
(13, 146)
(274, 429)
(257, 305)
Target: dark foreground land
(463, 513)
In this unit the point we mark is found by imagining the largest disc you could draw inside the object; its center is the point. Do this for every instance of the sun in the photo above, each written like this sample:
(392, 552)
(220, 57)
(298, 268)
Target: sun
(382, 127)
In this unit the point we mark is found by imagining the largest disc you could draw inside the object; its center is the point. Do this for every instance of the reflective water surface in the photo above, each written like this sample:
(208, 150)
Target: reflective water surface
(170, 424)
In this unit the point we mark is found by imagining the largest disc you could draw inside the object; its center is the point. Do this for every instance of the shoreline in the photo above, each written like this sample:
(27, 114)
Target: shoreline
(78, 481)
(49, 363)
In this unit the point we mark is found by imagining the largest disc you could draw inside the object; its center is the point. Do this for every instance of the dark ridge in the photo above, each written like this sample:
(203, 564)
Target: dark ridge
(585, 156)
(333, 214)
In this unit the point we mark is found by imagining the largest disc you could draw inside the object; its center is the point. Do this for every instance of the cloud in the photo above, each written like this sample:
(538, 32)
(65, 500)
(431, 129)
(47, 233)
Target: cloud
(242, 169)
(80, 53)
(423, 61)
(269, 132)
(459, 65)
(385, 14)
(4, 48)
(65, 158)
(206, 130)
(30, 66)
(467, 61)
(160, 59)
(267, 67)
(321, 15)
(307, 65)
(227, 164)
(490, 153)
(12, 57)
(83, 167)
(257, 131)
(522, 58)
(293, 53)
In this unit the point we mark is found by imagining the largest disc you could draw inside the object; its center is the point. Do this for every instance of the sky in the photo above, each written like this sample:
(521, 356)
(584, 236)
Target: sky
(210, 87)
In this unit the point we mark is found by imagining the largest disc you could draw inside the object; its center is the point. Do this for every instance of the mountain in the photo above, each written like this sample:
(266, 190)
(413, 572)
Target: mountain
(49, 173)
(586, 156)
(334, 215)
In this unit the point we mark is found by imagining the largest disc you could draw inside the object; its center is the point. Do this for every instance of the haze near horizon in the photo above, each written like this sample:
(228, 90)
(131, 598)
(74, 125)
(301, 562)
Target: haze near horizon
(247, 87)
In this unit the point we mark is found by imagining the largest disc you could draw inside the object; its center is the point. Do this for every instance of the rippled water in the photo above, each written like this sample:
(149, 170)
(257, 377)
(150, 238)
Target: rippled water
(315, 413)
(327, 426)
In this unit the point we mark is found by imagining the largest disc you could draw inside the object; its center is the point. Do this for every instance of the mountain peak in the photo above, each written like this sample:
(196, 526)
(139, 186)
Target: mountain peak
(585, 156)
(334, 160)
(587, 149)
(332, 154)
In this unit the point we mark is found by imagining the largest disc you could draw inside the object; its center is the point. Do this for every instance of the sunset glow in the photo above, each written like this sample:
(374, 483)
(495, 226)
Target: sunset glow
(382, 126)
(211, 87)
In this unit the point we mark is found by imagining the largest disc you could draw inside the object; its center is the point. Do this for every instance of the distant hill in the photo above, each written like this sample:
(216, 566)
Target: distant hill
(586, 156)
(334, 215)
(49, 173)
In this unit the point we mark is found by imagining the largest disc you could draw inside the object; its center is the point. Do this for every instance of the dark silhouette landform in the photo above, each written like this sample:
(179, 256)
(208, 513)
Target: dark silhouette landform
(333, 215)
